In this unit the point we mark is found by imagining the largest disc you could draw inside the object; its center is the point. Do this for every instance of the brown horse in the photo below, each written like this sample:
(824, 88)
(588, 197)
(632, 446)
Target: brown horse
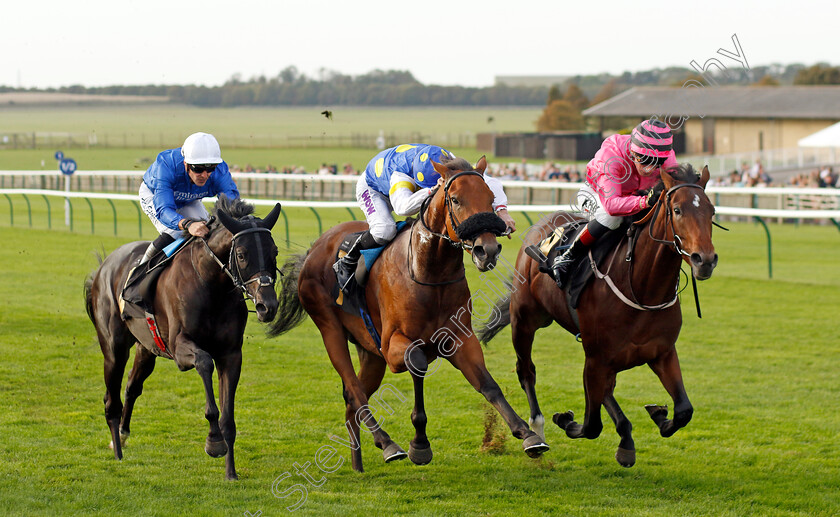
(633, 323)
(200, 315)
(419, 302)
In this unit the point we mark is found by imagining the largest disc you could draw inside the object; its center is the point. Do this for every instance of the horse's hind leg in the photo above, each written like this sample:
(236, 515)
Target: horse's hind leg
(229, 367)
(371, 371)
(115, 351)
(626, 453)
(144, 365)
(667, 368)
(188, 355)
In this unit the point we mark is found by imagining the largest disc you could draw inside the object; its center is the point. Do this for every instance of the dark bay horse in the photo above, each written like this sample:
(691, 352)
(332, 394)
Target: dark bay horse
(200, 313)
(616, 335)
(419, 302)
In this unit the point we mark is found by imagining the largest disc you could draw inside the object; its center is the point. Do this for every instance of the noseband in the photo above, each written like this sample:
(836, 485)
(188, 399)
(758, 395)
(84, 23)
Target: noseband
(264, 280)
(468, 229)
(473, 226)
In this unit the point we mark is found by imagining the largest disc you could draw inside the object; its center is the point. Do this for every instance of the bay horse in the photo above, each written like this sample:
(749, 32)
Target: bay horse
(200, 316)
(635, 322)
(418, 301)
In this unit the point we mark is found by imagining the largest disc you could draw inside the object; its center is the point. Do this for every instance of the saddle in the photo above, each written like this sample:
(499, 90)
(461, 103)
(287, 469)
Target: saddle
(581, 272)
(137, 297)
(353, 301)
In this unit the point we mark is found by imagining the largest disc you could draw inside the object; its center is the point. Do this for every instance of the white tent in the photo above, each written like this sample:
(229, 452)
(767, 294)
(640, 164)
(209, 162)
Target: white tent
(828, 137)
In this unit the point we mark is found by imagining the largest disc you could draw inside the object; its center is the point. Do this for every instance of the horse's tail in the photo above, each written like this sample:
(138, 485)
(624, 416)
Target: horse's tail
(499, 319)
(89, 284)
(290, 312)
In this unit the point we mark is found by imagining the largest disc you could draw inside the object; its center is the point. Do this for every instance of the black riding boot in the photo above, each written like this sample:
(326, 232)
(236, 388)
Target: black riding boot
(156, 247)
(345, 267)
(583, 241)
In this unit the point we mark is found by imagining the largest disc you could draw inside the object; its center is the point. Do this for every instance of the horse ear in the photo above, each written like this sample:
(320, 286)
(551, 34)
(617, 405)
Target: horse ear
(232, 225)
(668, 179)
(481, 164)
(704, 176)
(440, 169)
(271, 218)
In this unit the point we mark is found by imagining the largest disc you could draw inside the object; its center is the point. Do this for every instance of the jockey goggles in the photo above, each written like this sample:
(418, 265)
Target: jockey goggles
(201, 168)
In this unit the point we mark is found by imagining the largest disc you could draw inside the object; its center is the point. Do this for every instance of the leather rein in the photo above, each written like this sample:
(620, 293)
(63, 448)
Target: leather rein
(453, 220)
(650, 219)
(233, 267)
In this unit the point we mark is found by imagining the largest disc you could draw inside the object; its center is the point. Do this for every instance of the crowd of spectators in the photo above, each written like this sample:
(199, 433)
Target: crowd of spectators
(522, 171)
(325, 169)
(824, 177)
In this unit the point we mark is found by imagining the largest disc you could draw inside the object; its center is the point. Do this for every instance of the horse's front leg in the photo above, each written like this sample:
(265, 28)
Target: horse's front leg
(420, 450)
(229, 367)
(626, 453)
(667, 368)
(596, 384)
(188, 355)
(523, 340)
(469, 359)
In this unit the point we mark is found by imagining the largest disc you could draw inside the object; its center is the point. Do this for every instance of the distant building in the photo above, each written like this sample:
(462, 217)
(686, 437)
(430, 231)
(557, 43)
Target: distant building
(531, 80)
(731, 119)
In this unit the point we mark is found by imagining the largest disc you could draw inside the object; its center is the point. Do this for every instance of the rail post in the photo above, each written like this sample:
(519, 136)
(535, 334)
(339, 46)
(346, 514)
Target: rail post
(11, 210)
(769, 246)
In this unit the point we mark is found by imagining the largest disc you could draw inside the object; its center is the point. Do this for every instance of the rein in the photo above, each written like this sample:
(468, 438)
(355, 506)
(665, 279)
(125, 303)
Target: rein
(455, 226)
(238, 283)
(650, 219)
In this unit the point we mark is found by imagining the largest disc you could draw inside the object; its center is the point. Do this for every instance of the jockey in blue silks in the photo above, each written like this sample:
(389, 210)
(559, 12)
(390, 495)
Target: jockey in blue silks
(175, 184)
(400, 179)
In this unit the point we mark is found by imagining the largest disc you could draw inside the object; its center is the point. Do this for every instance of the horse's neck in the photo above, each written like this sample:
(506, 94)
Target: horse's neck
(655, 265)
(208, 268)
(430, 250)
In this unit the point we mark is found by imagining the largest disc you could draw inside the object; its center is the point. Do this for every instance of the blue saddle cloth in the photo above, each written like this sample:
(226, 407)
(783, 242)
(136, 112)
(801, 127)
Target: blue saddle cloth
(372, 254)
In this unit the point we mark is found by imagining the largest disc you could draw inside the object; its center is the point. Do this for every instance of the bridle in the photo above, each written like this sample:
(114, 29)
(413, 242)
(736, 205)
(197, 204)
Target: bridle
(232, 267)
(650, 219)
(456, 225)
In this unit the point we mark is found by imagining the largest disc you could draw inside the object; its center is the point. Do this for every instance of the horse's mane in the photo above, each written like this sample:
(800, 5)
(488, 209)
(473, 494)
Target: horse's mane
(236, 208)
(457, 164)
(684, 173)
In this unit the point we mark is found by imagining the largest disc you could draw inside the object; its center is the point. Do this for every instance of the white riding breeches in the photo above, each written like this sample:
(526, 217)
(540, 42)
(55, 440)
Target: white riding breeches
(193, 210)
(590, 204)
(377, 209)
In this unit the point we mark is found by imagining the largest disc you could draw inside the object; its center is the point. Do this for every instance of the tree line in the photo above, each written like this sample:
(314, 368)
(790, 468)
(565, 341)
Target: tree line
(400, 88)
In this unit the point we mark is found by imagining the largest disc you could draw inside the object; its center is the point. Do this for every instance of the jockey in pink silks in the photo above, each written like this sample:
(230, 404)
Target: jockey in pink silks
(622, 179)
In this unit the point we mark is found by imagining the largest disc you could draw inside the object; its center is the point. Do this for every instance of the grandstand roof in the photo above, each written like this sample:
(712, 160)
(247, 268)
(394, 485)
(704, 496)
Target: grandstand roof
(798, 102)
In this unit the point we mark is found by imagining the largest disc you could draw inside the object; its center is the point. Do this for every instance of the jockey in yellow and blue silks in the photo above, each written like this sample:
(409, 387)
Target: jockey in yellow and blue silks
(175, 184)
(399, 179)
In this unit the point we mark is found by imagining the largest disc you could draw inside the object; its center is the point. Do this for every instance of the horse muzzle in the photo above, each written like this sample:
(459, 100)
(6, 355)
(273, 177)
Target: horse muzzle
(703, 264)
(265, 300)
(485, 252)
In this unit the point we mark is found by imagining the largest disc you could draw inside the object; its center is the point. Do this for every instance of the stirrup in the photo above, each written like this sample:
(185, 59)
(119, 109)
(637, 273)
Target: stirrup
(342, 268)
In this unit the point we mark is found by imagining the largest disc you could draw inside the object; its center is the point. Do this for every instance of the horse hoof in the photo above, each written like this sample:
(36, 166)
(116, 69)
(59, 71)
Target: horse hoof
(420, 456)
(215, 449)
(563, 419)
(123, 438)
(625, 457)
(655, 411)
(393, 452)
(534, 446)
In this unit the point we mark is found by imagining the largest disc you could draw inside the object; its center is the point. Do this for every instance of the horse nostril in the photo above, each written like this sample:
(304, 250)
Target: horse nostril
(696, 259)
(261, 308)
(479, 253)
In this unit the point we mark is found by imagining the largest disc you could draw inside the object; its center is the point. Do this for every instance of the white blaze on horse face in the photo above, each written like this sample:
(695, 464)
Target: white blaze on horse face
(696, 201)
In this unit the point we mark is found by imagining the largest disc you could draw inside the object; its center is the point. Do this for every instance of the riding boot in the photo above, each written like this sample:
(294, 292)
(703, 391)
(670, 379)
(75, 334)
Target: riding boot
(562, 265)
(345, 267)
(156, 247)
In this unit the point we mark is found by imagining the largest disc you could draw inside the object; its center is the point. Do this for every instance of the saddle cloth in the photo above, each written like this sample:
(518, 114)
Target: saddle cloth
(581, 272)
(137, 297)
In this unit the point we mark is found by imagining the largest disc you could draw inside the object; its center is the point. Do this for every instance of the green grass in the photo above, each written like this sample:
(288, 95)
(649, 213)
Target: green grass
(760, 368)
(167, 125)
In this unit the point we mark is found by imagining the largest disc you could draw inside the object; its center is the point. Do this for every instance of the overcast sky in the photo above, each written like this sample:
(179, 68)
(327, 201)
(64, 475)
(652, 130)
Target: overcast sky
(54, 43)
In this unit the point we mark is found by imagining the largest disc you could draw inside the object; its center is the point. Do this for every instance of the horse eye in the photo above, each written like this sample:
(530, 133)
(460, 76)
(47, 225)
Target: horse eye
(677, 210)
(455, 201)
